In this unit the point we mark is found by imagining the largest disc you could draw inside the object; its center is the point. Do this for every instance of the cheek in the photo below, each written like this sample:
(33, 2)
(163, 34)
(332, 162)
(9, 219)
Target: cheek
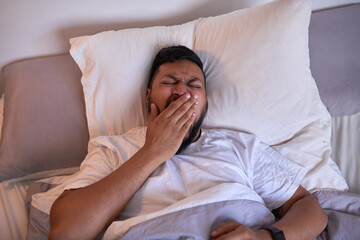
(201, 106)
(159, 98)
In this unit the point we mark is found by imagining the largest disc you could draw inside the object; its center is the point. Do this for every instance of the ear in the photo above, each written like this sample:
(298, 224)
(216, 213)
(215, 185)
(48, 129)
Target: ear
(147, 96)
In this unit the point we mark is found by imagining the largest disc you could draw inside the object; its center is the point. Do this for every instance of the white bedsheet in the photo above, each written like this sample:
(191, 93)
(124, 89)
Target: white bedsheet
(345, 141)
(13, 215)
(13, 212)
(219, 193)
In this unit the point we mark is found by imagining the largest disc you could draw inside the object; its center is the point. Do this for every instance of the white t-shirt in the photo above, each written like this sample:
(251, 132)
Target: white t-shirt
(217, 157)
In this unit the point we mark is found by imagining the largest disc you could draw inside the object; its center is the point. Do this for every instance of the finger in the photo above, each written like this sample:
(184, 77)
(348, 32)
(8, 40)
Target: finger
(225, 228)
(154, 112)
(241, 232)
(183, 110)
(174, 106)
(233, 235)
(185, 128)
(190, 112)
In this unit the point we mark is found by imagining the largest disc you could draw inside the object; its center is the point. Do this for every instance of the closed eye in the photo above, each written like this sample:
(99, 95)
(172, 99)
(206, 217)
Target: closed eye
(195, 86)
(194, 83)
(168, 83)
(169, 80)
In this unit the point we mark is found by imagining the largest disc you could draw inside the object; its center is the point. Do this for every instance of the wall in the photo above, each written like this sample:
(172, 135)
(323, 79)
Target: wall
(43, 27)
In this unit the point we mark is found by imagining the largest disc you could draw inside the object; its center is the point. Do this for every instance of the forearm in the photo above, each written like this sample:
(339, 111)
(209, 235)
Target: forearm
(85, 212)
(303, 220)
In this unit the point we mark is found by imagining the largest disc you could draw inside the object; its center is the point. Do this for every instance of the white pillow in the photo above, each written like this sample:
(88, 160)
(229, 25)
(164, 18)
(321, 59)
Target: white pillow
(258, 77)
(115, 67)
(259, 81)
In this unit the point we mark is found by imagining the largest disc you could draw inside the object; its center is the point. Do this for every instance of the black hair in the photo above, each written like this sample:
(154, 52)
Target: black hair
(173, 54)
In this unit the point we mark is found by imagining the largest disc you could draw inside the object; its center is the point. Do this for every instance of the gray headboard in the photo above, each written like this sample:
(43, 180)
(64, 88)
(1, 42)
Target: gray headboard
(334, 43)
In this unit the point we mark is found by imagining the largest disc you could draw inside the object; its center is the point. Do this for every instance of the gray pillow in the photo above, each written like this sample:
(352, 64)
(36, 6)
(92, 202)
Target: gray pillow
(334, 37)
(44, 125)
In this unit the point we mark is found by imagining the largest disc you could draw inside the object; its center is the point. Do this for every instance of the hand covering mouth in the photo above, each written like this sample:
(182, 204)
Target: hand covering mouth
(171, 99)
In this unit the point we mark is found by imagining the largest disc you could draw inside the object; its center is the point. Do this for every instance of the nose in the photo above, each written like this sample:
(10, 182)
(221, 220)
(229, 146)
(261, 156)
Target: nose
(179, 89)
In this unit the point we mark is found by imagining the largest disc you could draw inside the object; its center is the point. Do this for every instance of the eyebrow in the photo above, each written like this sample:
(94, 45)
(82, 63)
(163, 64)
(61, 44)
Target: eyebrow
(171, 76)
(192, 79)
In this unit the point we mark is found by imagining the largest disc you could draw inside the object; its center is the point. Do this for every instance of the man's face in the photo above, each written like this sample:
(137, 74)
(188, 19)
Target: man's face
(173, 80)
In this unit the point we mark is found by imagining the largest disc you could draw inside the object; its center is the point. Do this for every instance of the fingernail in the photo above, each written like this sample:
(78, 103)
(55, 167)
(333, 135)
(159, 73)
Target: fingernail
(196, 96)
(196, 103)
(187, 95)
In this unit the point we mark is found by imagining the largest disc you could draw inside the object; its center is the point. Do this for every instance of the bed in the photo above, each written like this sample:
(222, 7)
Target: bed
(52, 106)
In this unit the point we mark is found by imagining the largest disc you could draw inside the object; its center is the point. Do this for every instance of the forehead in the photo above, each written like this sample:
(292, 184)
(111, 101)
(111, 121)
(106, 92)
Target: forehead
(181, 68)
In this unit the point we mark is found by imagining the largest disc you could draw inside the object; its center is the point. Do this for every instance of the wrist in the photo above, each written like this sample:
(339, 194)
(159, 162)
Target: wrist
(275, 233)
(265, 234)
(153, 154)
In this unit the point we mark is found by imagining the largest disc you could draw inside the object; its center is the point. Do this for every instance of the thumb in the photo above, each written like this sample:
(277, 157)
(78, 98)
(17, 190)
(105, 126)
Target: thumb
(154, 112)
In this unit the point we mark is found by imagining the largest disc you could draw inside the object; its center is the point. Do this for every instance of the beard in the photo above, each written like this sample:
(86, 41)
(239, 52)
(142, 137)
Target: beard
(193, 131)
(195, 127)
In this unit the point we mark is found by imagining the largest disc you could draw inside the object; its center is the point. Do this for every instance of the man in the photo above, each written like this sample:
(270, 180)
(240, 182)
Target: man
(174, 147)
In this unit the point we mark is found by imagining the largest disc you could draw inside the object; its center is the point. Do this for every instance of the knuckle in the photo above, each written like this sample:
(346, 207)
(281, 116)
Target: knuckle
(173, 106)
(188, 115)
(187, 125)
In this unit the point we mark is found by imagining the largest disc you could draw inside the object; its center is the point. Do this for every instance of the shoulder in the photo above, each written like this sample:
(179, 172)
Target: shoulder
(228, 134)
(134, 137)
(241, 141)
(135, 133)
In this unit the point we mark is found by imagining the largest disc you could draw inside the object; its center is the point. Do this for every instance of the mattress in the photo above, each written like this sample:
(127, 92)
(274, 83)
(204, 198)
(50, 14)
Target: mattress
(345, 141)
